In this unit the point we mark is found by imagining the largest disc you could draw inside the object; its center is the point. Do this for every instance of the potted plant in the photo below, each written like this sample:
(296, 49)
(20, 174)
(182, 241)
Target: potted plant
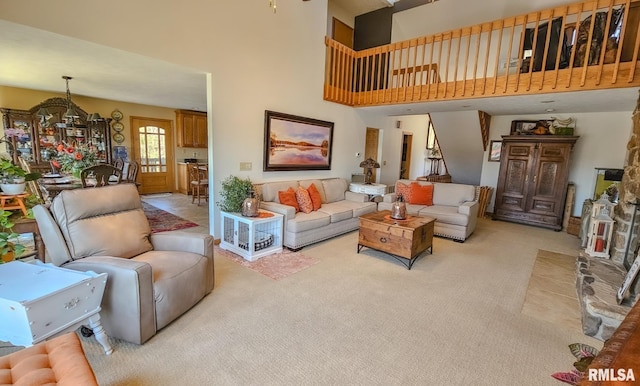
(9, 248)
(13, 178)
(233, 193)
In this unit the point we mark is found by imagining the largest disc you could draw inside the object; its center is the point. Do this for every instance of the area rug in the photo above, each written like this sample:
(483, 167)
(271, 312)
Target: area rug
(551, 295)
(276, 266)
(163, 221)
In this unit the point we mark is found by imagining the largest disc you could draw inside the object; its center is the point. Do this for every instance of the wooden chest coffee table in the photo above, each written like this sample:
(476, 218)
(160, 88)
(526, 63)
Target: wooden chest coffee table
(404, 240)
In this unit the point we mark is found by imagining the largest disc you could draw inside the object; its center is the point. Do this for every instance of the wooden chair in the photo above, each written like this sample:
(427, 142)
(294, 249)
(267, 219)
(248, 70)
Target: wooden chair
(131, 173)
(199, 182)
(119, 163)
(103, 175)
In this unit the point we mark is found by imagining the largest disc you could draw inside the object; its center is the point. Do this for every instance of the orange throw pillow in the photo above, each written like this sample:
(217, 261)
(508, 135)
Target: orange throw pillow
(288, 197)
(304, 200)
(404, 190)
(421, 194)
(315, 196)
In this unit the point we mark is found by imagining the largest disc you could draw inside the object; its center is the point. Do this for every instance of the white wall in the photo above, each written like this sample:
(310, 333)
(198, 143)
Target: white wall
(602, 143)
(335, 10)
(257, 61)
(416, 125)
(460, 139)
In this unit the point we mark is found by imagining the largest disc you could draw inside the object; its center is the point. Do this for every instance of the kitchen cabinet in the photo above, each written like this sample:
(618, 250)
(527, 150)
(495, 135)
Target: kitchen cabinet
(183, 178)
(533, 179)
(191, 128)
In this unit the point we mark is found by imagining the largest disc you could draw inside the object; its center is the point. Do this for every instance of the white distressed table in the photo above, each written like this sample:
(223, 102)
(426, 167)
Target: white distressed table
(252, 237)
(39, 301)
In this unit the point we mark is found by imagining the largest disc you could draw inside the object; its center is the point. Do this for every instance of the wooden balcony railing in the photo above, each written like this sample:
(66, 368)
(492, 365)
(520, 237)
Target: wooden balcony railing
(553, 50)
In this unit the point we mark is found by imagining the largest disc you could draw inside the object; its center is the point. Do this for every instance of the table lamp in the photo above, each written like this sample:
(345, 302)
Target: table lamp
(369, 164)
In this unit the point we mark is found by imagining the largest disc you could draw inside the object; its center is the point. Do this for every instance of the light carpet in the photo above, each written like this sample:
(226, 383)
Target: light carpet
(363, 319)
(276, 266)
(551, 294)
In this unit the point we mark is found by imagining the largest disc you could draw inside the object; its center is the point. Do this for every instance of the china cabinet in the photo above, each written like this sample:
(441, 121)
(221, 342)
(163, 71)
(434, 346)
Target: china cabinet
(533, 179)
(45, 127)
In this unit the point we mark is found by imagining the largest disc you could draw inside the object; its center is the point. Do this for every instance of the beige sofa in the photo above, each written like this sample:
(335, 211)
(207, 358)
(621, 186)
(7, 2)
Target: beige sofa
(455, 208)
(152, 278)
(339, 213)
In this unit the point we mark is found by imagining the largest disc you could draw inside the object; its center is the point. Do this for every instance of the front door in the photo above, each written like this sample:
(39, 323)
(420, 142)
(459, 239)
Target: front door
(153, 148)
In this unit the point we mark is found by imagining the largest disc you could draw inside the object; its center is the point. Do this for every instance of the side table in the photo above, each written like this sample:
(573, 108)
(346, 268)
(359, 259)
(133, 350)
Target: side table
(252, 237)
(371, 189)
(39, 301)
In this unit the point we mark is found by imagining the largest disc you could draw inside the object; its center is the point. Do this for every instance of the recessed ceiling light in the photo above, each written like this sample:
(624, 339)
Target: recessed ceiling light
(550, 110)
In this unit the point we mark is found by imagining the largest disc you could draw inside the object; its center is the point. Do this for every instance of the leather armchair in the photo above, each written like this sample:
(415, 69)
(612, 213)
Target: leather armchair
(152, 278)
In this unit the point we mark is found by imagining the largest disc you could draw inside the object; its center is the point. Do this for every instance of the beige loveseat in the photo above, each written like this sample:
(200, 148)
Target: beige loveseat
(455, 208)
(339, 213)
(152, 278)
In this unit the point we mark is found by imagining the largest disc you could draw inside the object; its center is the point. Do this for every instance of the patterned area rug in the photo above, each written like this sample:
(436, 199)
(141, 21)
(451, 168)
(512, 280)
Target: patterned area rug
(276, 266)
(163, 221)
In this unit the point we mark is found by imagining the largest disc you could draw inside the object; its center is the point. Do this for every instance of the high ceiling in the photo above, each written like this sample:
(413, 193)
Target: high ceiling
(36, 59)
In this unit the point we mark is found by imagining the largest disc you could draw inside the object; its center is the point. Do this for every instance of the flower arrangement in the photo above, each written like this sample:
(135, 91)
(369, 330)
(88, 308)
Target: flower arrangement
(72, 159)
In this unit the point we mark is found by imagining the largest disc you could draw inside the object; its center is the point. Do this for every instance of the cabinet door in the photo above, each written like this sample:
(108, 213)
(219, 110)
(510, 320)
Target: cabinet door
(515, 171)
(200, 131)
(549, 179)
(187, 131)
(183, 178)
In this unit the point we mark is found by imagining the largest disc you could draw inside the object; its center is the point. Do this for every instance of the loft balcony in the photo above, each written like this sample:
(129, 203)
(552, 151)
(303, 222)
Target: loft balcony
(549, 51)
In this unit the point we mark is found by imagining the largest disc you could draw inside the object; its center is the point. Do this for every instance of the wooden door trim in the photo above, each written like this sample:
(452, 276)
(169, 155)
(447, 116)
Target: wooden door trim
(170, 146)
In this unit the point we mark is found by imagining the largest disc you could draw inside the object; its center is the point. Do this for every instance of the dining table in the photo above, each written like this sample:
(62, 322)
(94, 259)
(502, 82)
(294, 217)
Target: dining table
(53, 184)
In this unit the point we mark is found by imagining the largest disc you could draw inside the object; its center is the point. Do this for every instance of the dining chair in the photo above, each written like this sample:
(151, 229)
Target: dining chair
(132, 172)
(103, 174)
(199, 182)
(119, 163)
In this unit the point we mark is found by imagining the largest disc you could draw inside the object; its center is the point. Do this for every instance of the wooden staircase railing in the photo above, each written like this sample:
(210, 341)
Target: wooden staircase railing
(553, 50)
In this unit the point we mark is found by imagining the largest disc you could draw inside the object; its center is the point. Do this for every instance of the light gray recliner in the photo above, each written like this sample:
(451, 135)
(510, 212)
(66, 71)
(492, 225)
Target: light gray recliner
(152, 278)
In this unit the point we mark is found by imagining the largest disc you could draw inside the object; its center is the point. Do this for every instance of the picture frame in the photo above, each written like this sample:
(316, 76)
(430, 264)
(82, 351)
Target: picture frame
(293, 142)
(525, 127)
(494, 151)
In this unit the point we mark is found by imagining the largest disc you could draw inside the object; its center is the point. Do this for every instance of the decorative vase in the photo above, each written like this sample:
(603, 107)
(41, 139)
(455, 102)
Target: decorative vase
(76, 172)
(8, 257)
(399, 208)
(250, 205)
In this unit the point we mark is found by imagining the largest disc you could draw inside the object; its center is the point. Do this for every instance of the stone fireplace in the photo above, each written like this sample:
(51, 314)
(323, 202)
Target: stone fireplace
(598, 280)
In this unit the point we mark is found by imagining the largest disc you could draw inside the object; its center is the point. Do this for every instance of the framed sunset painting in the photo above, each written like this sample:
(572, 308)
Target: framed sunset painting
(296, 143)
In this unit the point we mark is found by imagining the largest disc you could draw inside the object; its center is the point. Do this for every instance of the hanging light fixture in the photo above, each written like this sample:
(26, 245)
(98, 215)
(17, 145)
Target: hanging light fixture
(71, 111)
(272, 4)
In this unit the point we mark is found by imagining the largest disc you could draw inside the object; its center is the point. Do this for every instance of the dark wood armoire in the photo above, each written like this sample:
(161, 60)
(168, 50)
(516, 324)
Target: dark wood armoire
(533, 179)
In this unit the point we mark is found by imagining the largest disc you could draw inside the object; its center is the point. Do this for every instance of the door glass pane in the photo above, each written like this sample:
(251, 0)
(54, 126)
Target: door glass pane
(153, 151)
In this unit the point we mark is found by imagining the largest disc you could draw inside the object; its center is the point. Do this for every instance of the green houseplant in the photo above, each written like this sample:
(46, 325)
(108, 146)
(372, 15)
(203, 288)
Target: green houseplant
(234, 191)
(13, 178)
(9, 249)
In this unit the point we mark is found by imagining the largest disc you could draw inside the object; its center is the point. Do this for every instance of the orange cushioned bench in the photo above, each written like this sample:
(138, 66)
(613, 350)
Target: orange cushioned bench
(59, 361)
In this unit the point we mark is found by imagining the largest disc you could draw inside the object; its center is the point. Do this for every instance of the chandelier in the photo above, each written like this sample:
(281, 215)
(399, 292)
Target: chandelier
(71, 111)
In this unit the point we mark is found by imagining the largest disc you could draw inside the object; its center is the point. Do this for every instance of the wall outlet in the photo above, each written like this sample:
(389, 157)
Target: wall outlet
(245, 166)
